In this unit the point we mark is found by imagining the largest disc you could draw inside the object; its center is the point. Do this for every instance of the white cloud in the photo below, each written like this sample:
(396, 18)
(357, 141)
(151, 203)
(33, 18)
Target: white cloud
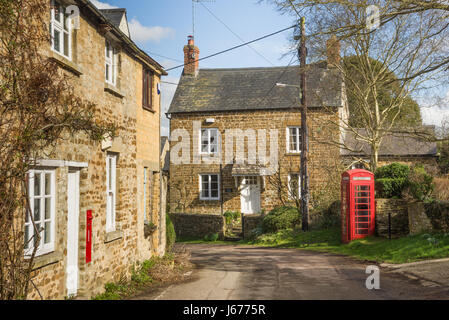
(102, 5)
(435, 113)
(143, 34)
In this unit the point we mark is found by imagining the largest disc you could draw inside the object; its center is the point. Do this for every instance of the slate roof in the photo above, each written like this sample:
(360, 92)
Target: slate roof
(254, 89)
(397, 145)
(114, 15)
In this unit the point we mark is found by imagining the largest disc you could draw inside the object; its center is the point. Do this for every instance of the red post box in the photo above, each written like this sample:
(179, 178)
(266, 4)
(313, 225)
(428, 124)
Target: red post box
(89, 219)
(357, 205)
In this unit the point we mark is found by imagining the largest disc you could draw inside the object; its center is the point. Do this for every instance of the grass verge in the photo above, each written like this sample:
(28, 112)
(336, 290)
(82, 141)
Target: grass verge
(149, 273)
(401, 250)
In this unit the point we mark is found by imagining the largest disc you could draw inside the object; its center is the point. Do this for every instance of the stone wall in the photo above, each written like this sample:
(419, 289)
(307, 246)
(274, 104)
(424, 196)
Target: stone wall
(250, 222)
(418, 220)
(197, 225)
(397, 208)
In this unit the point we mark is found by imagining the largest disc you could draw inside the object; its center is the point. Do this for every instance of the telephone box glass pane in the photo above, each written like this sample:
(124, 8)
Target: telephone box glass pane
(362, 209)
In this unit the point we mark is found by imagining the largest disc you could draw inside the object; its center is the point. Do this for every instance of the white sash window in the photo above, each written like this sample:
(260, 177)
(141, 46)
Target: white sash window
(41, 189)
(111, 175)
(60, 29)
(111, 65)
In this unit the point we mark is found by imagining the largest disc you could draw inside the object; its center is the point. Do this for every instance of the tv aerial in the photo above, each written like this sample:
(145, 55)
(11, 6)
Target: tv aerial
(193, 12)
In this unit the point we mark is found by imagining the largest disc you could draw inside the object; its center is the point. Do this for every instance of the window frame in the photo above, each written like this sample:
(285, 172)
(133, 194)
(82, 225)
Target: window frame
(209, 175)
(111, 190)
(209, 151)
(298, 142)
(110, 62)
(290, 193)
(43, 247)
(147, 89)
(58, 25)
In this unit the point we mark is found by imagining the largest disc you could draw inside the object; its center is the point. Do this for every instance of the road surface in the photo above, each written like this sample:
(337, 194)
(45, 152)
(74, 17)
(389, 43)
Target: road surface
(229, 272)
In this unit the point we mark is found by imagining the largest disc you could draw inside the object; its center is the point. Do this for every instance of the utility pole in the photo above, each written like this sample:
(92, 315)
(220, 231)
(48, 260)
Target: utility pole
(302, 52)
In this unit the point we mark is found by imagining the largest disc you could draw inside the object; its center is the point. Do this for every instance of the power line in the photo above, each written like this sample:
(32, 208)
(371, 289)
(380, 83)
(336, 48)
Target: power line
(235, 34)
(233, 48)
(162, 56)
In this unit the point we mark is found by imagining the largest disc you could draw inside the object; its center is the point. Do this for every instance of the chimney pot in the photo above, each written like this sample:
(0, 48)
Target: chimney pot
(191, 56)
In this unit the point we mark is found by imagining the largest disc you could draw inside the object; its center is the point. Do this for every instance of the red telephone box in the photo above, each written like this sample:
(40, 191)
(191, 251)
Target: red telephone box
(89, 219)
(357, 205)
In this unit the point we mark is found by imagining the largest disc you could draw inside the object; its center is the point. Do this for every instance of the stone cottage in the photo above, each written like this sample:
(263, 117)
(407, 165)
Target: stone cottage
(99, 204)
(232, 129)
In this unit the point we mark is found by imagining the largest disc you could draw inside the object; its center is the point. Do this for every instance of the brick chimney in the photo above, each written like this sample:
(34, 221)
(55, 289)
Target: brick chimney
(191, 56)
(333, 51)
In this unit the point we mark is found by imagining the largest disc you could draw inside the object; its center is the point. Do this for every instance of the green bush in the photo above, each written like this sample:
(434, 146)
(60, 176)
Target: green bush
(420, 184)
(390, 187)
(170, 234)
(281, 218)
(391, 180)
(231, 216)
(211, 237)
(393, 171)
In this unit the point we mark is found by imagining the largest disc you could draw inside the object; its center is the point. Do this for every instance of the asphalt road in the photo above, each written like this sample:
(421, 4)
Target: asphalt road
(251, 273)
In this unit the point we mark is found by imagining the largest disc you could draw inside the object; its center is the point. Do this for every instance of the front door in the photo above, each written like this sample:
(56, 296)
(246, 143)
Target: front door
(73, 199)
(250, 195)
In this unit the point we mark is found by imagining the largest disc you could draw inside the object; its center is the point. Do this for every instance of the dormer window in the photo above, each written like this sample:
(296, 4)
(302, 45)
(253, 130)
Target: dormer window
(111, 64)
(60, 28)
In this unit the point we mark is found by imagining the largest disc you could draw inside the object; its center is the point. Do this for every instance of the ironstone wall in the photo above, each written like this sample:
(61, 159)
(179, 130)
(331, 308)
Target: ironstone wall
(197, 225)
(398, 209)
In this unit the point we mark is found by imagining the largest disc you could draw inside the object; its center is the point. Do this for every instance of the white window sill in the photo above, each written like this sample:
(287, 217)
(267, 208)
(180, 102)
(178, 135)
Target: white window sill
(46, 259)
(65, 63)
(113, 90)
(209, 199)
(113, 236)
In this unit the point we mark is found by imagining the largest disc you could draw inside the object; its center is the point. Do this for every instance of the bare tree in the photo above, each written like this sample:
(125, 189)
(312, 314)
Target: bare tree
(38, 108)
(406, 51)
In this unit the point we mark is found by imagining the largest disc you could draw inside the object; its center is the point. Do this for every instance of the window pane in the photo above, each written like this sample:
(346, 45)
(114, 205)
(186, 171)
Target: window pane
(47, 232)
(56, 40)
(214, 193)
(57, 12)
(37, 209)
(214, 178)
(107, 72)
(47, 208)
(110, 174)
(66, 44)
(37, 184)
(26, 236)
(47, 184)
(36, 243)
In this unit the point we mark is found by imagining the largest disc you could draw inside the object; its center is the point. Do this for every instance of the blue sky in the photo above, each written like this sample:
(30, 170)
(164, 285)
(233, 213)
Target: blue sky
(162, 27)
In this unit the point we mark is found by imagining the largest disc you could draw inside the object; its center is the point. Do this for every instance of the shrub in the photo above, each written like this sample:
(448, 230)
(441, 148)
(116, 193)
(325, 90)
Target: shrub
(393, 171)
(420, 184)
(390, 187)
(170, 234)
(211, 237)
(231, 216)
(391, 180)
(281, 218)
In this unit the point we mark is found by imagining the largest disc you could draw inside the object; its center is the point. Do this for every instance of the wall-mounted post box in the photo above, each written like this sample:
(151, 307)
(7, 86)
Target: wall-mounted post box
(89, 219)
(357, 205)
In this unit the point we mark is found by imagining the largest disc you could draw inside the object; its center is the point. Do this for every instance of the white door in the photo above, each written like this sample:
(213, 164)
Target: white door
(73, 199)
(250, 195)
